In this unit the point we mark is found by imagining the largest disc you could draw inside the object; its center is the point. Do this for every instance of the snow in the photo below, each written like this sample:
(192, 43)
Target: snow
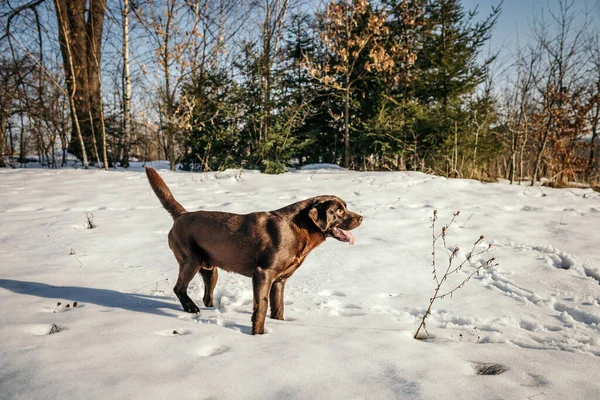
(350, 311)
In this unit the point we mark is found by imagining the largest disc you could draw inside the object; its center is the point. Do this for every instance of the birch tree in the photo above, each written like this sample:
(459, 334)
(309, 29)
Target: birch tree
(126, 86)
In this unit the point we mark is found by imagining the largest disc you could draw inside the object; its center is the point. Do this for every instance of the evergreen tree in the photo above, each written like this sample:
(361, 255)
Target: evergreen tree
(352, 33)
(298, 88)
(448, 71)
(212, 142)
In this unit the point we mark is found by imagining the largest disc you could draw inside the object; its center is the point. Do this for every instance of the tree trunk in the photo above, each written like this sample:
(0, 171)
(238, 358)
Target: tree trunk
(126, 87)
(513, 155)
(266, 77)
(540, 152)
(71, 74)
(80, 45)
(104, 157)
(12, 143)
(63, 136)
(3, 144)
(521, 160)
(594, 139)
(169, 98)
(22, 154)
(94, 144)
(347, 128)
(171, 149)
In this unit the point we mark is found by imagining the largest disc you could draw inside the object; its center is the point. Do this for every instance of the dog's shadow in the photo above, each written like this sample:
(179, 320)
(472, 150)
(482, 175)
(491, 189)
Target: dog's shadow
(102, 297)
(157, 305)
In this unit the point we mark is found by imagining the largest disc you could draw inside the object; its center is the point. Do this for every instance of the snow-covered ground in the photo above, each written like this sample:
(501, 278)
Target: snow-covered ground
(350, 312)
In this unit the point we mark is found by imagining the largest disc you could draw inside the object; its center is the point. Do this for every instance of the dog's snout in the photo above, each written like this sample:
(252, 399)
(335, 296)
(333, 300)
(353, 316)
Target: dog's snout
(359, 218)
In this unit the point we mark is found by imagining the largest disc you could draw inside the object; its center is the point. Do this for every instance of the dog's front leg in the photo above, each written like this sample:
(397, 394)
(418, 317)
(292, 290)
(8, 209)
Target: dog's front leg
(276, 299)
(262, 279)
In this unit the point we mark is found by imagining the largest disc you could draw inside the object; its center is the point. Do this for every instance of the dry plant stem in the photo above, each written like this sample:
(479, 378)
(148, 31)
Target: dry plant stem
(94, 138)
(54, 329)
(72, 253)
(435, 238)
(90, 221)
(450, 270)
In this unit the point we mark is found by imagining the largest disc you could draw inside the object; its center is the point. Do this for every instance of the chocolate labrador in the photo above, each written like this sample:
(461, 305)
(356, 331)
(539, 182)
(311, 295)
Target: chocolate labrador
(266, 246)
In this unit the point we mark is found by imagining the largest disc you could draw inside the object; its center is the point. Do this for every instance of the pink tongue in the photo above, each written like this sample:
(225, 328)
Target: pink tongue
(348, 235)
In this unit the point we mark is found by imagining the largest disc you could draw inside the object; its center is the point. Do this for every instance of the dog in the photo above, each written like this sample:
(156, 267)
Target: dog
(266, 246)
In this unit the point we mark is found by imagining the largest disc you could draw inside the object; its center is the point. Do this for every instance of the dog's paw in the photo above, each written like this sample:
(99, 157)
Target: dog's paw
(258, 331)
(192, 308)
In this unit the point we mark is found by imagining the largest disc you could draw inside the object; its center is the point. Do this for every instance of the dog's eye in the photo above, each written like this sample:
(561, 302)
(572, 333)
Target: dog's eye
(339, 211)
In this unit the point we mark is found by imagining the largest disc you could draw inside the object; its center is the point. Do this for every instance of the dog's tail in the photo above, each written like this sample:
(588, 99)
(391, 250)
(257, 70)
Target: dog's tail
(164, 194)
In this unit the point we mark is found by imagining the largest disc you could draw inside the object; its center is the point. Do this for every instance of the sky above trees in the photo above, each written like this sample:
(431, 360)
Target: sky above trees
(517, 19)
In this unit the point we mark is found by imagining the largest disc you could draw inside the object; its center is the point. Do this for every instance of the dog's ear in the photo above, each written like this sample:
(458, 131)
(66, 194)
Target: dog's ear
(319, 215)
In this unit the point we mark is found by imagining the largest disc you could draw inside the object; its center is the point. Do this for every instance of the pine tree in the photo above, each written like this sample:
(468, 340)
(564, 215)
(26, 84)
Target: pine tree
(448, 73)
(212, 143)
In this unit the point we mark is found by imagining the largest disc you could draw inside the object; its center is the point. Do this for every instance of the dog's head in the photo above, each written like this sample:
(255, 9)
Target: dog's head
(332, 217)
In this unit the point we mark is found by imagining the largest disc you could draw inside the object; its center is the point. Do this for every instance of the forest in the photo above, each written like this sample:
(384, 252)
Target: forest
(273, 84)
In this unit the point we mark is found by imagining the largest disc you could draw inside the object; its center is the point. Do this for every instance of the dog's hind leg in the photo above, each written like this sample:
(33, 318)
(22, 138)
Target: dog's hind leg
(187, 270)
(276, 299)
(189, 265)
(209, 276)
(190, 260)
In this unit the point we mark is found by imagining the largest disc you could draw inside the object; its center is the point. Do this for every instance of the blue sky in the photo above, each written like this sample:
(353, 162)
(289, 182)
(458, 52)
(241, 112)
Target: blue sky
(515, 23)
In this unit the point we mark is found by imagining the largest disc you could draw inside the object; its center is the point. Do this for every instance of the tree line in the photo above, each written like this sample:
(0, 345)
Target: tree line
(269, 84)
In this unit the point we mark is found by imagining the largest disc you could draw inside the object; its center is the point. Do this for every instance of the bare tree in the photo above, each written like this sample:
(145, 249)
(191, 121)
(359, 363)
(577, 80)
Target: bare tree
(528, 73)
(594, 51)
(188, 38)
(272, 29)
(163, 21)
(563, 52)
(9, 88)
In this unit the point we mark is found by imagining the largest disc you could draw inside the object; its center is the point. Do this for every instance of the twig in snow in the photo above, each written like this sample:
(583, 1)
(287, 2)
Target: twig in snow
(90, 221)
(450, 269)
(468, 219)
(150, 284)
(72, 253)
(561, 218)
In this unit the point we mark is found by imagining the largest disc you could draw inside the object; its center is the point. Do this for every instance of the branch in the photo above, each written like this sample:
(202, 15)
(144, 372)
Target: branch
(489, 263)
(16, 11)
(62, 90)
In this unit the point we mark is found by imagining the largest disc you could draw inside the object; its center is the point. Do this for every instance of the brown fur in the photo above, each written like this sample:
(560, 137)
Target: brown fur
(266, 246)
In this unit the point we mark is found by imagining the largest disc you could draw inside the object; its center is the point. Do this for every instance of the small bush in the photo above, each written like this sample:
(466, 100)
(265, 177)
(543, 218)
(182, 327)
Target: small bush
(273, 167)
(451, 268)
